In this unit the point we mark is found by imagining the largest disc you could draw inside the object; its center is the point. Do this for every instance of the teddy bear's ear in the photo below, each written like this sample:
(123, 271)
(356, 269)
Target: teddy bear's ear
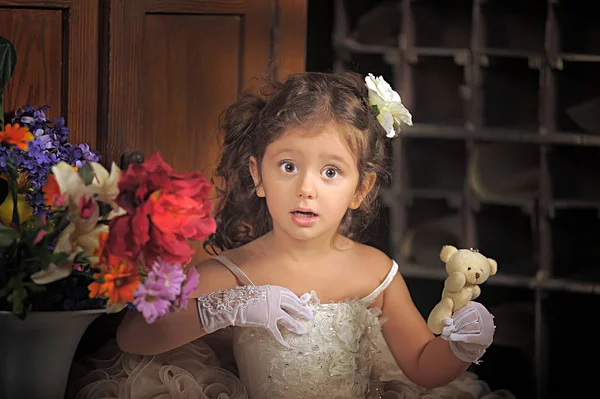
(447, 252)
(493, 266)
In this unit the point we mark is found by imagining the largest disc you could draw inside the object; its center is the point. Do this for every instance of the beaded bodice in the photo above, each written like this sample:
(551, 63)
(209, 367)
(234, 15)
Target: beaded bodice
(334, 359)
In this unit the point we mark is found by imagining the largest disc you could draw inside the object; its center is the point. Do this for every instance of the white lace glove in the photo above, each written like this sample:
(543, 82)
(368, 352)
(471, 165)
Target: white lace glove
(254, 306)
(470, 332)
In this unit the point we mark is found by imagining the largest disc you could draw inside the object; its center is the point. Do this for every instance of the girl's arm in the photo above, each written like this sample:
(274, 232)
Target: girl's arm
(263, 306)
(136, 336)
(426, 360)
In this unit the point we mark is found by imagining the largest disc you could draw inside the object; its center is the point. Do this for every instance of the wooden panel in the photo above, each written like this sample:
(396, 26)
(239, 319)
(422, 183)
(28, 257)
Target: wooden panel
(290, 40)
(184, 90)
(197, 7)
(82, 61)
(126, 119)
(37, 37)
(57, 60)
(38, 3)
(174, 67)
(187, 87)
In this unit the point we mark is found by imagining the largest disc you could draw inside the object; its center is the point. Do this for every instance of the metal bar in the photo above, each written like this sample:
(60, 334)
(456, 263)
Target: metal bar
(540, 345)
(340, 32)
(547, 120)
(472, 92)
(403, 81)
(538, 282)
(499, 135)
(360, 48)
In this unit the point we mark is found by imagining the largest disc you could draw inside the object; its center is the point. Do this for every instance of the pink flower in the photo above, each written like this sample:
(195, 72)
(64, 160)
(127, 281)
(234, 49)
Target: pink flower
(190, 285)
(148, 300)
(168, 277)
(87, 205)
(40, 236)
(155, 297)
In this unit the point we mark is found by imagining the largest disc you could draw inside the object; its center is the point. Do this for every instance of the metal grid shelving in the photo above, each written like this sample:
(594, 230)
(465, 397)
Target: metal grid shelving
(504, 154)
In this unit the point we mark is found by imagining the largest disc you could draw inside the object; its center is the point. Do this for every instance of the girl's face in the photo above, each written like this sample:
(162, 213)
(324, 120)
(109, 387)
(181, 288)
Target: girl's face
(309, 178)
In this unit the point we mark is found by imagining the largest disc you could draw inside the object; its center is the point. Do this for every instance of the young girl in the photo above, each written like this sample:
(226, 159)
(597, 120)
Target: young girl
(316, 313)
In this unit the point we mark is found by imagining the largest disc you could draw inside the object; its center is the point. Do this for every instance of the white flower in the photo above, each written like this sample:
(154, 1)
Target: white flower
(389, 105)
(105, 185)
(81, 235)
(70, 183)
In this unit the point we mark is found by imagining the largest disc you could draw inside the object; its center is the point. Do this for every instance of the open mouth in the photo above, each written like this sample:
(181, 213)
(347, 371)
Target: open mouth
(304, 214)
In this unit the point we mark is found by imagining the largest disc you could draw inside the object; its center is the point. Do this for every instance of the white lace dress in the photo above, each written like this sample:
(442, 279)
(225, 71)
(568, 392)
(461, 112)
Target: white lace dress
(343, 356)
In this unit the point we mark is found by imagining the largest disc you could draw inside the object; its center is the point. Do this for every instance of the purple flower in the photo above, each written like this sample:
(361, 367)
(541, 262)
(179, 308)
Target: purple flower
(169, 276)
(49, 147)
(190, 285)
(83, 154)
(148, 300)
(162, 286)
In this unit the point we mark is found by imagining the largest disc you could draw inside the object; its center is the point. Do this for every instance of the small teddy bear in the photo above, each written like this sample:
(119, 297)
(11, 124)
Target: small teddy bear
(466, 269)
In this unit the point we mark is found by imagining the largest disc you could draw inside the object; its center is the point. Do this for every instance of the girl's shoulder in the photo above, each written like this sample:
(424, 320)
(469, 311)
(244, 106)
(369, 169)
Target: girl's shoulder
(377, 262)
(248, 258)
(368, 269)
(214, 275)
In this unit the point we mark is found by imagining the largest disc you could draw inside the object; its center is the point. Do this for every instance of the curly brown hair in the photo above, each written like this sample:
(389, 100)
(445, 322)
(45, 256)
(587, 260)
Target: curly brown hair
(256, 120)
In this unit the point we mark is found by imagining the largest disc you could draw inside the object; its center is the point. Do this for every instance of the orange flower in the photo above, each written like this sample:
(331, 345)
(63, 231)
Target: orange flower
(52, 195)
(117, 281)
(17, 136)
(100, 251)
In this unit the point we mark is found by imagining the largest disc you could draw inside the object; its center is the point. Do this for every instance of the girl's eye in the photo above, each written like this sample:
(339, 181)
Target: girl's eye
(287, 167)
(331, 173)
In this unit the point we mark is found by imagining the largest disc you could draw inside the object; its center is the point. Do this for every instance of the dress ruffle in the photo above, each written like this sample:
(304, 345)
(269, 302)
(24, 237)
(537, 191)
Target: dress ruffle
(205, 369)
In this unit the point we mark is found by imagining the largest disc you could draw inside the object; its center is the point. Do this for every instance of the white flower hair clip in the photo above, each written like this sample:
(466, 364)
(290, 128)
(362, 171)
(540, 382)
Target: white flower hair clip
(387, 105)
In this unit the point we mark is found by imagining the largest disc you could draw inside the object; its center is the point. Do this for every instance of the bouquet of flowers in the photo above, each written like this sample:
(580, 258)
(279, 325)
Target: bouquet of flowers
(75, 236)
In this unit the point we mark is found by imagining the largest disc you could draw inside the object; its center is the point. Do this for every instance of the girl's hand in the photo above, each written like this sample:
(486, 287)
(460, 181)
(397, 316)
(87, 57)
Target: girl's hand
(254, 306)
(470, 331)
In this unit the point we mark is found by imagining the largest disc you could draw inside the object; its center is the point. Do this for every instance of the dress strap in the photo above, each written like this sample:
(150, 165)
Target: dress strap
(233, 268)
(388, 280)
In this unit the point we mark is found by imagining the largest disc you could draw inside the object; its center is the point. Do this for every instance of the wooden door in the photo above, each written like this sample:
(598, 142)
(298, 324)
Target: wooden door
(175, 65)
(57, 60)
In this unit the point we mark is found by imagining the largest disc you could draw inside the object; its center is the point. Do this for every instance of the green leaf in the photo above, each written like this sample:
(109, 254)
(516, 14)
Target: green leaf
(13, 173)
(17, 292)
(17, 298)
(375, 110)
(8, 61)
(4, 291)
(86, 173)
(12, 283)
(8, 236)
(33, 287)
(58, 257)
(81, 258)
(32, 223)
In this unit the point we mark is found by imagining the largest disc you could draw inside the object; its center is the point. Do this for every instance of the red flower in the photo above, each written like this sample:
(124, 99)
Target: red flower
(164, 210)
(173, 213)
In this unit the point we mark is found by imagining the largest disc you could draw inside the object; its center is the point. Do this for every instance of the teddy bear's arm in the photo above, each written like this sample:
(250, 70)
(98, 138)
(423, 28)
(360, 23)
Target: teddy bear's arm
(455, 282)
(476, 292)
